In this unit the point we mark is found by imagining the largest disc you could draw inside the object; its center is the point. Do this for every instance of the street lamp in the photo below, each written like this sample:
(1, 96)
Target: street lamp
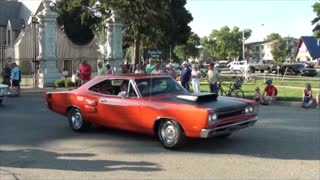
(243, 42)
(34, 21)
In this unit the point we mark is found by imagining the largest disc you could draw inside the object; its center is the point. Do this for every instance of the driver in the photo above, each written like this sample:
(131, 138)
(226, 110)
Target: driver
(123, 88)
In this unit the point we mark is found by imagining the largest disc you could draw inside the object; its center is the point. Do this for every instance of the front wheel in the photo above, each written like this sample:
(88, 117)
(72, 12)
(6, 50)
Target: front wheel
(171, 134)
(76, 121)
(237, 93)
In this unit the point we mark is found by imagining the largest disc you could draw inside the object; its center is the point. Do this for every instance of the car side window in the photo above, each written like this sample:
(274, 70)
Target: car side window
(103, 87)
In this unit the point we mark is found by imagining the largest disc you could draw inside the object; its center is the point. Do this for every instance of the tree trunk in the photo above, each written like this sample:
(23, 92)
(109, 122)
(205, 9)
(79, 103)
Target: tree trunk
(136, 54)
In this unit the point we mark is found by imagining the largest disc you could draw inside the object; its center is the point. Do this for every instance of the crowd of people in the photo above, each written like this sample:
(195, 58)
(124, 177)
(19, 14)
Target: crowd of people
(12, 77)
(189, 74)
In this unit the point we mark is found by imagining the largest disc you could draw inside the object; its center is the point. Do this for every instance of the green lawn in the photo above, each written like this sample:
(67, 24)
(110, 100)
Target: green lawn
(288, 90)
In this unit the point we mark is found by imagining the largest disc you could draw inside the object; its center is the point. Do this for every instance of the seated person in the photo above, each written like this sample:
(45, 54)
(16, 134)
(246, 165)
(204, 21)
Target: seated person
(307, 96)
(105, 89)
(123, 88)
(258, 95)
(269, 94)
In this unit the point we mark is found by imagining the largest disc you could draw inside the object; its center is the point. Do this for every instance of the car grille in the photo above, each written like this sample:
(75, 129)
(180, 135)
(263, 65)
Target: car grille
(232, 113)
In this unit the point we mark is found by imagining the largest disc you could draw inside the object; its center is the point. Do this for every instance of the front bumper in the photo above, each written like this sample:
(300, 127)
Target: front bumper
(206, 133)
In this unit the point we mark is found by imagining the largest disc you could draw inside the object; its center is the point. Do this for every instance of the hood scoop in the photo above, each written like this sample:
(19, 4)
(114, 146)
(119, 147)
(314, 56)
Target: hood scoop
(198, 97)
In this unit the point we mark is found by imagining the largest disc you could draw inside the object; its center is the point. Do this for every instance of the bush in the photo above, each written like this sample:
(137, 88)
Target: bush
(68, 83)
(59, 83)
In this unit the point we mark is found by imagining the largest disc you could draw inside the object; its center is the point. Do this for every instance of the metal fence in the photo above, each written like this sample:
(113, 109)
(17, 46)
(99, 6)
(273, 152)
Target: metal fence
(66, 67)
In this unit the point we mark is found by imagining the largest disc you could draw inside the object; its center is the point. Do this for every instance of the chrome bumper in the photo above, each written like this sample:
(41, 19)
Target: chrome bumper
(206, 133)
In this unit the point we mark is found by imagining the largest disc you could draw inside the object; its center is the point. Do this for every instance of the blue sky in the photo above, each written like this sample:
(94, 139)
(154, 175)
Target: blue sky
(286, 17)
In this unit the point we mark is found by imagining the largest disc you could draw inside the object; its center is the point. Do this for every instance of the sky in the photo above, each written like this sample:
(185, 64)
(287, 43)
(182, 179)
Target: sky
(286, 17)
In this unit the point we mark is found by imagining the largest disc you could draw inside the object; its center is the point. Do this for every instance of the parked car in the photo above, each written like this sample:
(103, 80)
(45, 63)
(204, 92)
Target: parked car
(297, 69)
(262, 65)
(236, 66)
(155, 105)
(3, 92)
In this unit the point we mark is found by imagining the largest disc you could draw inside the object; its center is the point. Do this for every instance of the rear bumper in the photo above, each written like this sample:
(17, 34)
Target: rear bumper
(207, 133)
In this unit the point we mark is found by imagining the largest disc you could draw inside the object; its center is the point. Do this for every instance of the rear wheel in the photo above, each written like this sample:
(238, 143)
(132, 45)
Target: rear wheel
(237, 93)
(76, 121)
(171, 134)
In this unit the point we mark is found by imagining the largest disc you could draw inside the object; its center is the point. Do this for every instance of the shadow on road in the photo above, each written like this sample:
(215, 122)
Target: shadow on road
(41, 159)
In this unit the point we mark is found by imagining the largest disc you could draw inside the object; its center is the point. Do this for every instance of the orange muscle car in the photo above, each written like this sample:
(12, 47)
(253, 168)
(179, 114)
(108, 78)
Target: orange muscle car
(154, 105)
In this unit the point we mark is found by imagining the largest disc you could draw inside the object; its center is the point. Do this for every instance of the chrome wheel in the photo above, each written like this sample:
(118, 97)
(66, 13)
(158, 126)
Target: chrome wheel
(76, 119)
(168, 133)
(171, 134)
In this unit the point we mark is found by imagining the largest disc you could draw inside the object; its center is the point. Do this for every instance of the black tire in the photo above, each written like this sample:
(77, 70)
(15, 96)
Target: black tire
(237, 93)
(171, 134)
(76, 121)
(1, 101)
(269, 70)
(262, 71)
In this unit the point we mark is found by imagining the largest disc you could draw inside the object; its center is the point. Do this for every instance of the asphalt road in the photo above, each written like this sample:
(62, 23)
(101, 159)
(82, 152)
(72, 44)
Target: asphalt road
(38, 144)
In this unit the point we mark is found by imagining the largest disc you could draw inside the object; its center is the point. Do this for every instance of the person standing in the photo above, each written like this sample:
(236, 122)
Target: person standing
(150, 67)
(85, 71)
(212, 78)
(171, 72)
(6, 73)
(15, 78)
(101, 70)
(195, 78)
(139, 69)
(157, 69)
(109, 70)
(185, 75)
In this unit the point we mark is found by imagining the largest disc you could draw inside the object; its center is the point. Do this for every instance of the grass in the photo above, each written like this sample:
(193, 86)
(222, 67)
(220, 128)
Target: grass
(288, 90)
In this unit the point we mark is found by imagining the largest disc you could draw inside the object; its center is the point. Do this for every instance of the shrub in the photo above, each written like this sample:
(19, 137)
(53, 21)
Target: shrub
(59, 83)
(68, 83)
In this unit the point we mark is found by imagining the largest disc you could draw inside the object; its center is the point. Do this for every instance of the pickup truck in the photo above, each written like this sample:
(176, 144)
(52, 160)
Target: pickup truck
(262, 65)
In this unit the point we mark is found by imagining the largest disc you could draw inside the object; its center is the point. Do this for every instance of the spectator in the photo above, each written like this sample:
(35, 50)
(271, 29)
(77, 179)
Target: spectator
(212, 78)
(318, 99)
(15, 77)
(139, 69)
(85, 71)
(195, 78)
(185, 75)
(157, 69)
(109, 70)
(258, 95)
(170, 71)
(101, 70)
(6, 73)
(269, 94)
(307, 96)
(150, 67)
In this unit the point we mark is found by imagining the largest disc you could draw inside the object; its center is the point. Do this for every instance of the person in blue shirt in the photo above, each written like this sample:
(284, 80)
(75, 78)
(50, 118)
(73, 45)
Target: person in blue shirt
(185, 75)
(15, 78)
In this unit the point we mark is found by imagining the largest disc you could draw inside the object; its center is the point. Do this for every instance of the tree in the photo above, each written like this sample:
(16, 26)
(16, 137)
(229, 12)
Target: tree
(152, 23)
(279, 49)
(225, 43)
(190, 49)
(77, 19)
(316, 20)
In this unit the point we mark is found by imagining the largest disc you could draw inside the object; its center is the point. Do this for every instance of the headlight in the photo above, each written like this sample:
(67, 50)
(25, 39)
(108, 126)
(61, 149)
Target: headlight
(249, 109)
(212, 118)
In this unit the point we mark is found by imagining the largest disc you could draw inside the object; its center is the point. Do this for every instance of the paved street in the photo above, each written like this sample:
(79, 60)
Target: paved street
(38, 144)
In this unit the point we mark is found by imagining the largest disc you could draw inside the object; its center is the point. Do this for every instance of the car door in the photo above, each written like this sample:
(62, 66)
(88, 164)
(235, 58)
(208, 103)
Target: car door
(120, 110)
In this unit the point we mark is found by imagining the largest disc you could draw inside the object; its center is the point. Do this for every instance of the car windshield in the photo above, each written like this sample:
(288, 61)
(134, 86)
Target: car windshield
(158, 86)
